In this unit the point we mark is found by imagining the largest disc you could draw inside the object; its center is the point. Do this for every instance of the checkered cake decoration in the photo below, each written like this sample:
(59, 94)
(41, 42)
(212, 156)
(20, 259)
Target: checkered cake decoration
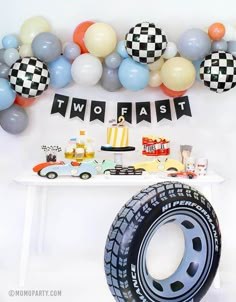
(218, 71)
(29, 77)
(146, 43)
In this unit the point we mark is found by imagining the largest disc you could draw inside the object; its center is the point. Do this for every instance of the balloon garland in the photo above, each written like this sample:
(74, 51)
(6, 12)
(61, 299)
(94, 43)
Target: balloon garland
(36, 58)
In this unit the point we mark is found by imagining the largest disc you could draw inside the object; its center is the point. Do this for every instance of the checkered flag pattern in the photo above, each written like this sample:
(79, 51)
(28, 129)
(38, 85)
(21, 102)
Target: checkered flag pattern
(146, 43)
(218, 71)
(29, 77)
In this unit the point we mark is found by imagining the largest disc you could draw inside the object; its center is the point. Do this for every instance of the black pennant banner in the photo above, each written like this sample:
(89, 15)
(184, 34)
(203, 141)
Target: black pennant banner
(125, 109)
(78, 108)
(97, 111)
(182, 106)
(163, 110)
(143, 112)
(60, 104)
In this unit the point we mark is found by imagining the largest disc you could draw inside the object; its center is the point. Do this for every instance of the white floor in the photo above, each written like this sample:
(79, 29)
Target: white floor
(81, 281)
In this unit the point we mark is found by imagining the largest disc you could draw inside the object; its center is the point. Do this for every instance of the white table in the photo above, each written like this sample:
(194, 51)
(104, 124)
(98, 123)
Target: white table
(37, 188)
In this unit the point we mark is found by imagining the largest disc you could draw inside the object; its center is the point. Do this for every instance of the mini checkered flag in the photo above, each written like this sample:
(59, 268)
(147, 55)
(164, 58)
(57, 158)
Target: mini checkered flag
(218, 71)
(145, 42)
(29, 77)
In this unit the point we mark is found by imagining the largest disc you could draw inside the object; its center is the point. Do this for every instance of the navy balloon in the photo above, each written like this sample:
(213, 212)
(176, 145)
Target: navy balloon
(14, 120)
(60, 72)
(133, 75)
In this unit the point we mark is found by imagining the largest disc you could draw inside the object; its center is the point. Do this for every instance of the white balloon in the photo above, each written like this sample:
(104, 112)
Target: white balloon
(86, 70)
(171, 51)
(229, 32)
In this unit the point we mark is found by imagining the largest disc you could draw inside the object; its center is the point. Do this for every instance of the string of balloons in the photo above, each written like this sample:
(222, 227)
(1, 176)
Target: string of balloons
(35, 59)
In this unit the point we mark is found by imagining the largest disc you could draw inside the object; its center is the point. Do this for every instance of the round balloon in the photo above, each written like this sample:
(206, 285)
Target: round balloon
(113, 60)
(78, 35)
(145, 42)
(10, 41)
(25, 50)
(86, 70)
(216, 31)
(4, 70)
(157, 65)
(11, 55)
(47, 47)
(29, 77)
(172, 93)
(7, 95)
(110, 79)
(171, 51)
(132, 75)
(60, 72)
(155, 78)
(100, 39)
(32, 27)
(121, 49)
(194, 44)
(178, 74)
(71, 51)
(23, 102)
(14, 120)
(219, 45)
(218, 71)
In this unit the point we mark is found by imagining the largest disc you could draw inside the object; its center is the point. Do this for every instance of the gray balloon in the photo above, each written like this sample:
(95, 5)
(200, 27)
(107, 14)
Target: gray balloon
(4, 70)
(46, 46)
(232, 47)
(14, 120)
(113, 60)
(110, 80)
(71, 51)
(2, 51)
(219, 45)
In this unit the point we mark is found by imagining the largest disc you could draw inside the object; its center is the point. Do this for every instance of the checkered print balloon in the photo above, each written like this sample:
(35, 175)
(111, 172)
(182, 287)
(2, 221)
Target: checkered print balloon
(145, 43)
(218, 71)
(29, 77)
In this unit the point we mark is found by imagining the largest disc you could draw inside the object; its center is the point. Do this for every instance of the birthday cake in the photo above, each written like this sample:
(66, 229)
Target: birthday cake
(118, 138)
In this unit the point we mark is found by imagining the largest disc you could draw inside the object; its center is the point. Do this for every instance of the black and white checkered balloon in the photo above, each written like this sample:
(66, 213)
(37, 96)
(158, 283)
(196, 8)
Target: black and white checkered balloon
(29, 77)
(218, 71)
(145, 42)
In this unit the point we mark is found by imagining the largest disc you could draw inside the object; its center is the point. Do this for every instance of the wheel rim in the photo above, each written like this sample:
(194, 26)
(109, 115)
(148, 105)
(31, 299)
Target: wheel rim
(51, 175)
(85, 176)
(191, 273)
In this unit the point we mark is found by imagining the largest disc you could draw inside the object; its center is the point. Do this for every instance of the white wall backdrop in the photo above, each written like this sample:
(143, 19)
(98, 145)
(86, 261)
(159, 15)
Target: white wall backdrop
(78, 220)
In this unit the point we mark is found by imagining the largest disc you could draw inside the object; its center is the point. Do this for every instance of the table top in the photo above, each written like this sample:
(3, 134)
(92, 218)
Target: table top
(116, 180)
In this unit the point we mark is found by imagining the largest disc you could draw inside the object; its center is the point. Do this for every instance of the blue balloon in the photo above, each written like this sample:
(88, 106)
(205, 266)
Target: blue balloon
(7, 95)
(10, 41)
(121, 49)
(71, 51)
(132, 75)
(197, 67)
(60, 72)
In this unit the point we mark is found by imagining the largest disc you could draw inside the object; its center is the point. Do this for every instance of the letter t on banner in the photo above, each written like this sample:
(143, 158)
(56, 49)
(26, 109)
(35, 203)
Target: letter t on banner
(125, 109)
(182, 106)
(97, 111)
(60, 103)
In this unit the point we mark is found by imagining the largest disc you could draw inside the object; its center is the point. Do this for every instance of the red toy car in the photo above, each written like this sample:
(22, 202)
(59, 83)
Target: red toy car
(190, 175)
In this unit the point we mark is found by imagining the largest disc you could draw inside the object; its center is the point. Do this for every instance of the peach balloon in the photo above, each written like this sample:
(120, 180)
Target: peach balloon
(216, 31)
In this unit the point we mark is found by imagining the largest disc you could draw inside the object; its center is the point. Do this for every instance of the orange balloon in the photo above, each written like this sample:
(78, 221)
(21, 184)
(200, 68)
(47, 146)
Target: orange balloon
(172, 93)
(216, 31)
(78, 35)
(23, 102)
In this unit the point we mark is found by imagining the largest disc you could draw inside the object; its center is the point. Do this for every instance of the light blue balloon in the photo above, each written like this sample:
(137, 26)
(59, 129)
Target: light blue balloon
(113, 60)
(46, 46)
(133, 76)
(194, 44)
(11, 55)
(121, 49)
(219, 45)
(10, 41)
(71, 51)
(197, 67)
(7, 95)
(60, 72)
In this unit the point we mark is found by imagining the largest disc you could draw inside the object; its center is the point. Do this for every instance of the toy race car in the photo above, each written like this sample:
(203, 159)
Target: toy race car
(189, 175)
(84, 170)
(158, 165)
(120, 170)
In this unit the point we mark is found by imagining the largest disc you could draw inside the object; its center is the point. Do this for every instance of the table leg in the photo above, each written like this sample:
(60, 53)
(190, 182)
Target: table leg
(29, 210)
(42, 217)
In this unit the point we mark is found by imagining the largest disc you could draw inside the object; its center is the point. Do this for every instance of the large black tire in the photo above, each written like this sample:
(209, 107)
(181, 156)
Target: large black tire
(131, 232)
